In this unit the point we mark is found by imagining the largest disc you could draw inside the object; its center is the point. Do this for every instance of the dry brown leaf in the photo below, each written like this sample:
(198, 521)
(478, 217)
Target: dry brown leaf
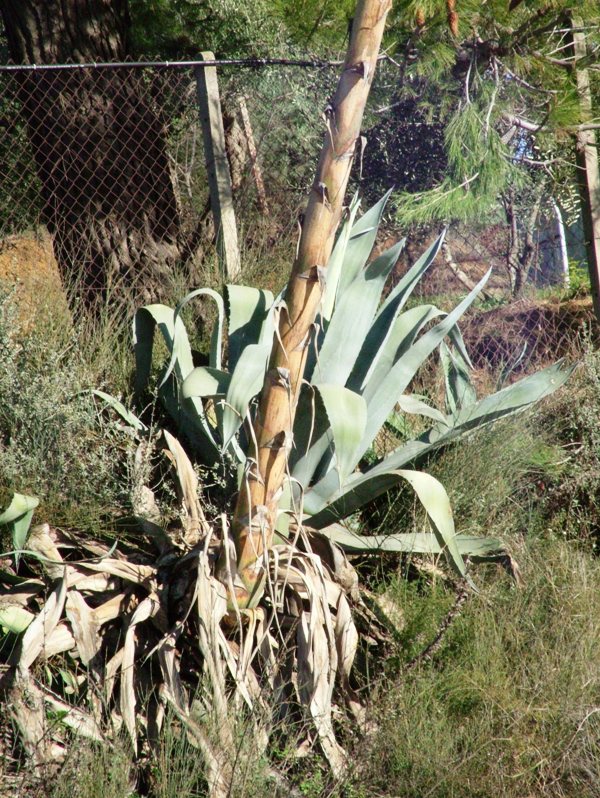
(84, 625)
(127, 701)
(61, 639)
(110, 673)
(196, 527)
(76, 719)
(22, 593)
(26, 707)
(167, 657)
(131, 572)
(39, 630)
(317, 661)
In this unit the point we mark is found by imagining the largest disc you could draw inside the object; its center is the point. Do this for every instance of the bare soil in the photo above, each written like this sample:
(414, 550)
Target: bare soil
(29, 273)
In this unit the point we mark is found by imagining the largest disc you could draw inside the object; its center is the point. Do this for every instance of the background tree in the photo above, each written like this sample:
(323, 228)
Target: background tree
(99, 148)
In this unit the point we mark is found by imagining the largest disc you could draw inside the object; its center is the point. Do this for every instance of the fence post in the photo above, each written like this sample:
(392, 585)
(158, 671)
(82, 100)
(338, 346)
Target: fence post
(587, 168)
(217, 167)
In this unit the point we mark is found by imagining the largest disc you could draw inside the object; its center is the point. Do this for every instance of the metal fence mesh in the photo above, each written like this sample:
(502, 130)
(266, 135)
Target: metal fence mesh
(105, 169)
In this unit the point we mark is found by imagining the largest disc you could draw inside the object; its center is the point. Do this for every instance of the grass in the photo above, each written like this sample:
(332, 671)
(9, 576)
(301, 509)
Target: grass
(53, 442)
(509, 706)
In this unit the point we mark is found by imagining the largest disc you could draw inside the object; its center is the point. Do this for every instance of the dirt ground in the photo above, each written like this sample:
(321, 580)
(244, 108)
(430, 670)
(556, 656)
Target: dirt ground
(29, 273)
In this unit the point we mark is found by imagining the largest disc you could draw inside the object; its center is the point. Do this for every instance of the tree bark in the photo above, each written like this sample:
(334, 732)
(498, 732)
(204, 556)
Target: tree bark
(521, 245)
(99, 148)
(256, 511)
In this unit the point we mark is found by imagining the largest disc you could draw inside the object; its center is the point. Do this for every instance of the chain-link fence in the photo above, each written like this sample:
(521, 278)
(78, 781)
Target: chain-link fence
(103, 176)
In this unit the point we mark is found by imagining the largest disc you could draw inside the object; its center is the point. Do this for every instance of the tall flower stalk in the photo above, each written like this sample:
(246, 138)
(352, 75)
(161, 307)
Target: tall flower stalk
(256, 510)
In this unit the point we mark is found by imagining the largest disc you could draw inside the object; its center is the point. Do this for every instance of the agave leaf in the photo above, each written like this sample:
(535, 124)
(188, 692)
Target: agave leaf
(127, 416)
(410, 542)
(457, 339)
(402, 291)
(433, 497)
(174, 334)
(361, 241)
(336, 261)
(84, 625)
(382, 396)
(216, 340)
(78, 720)
(316, 463)
(14, 618)
(361, 488)
(327, 504)
(40, 629)
(375, 342)
(347, 414)
(405, 328)
(352, 319)
(127, 700)
(188, 413)
(409, 403)
(195, 523)
(18, 517)
(247, 310)
(509, 400)
(312, 437)
(246, 382)
(205, 381)
(459, 389)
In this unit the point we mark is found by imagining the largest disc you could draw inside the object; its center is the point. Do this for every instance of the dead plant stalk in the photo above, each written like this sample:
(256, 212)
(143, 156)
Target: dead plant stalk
(256, 511)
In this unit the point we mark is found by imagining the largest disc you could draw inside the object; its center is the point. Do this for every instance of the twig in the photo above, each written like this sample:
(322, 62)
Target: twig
(431, 650)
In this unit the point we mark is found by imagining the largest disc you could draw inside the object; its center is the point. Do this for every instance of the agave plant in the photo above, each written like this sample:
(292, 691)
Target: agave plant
(365, 350)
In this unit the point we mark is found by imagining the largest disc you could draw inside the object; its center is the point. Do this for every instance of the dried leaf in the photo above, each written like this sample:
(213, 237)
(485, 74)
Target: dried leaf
(146, 609)
(196, 527)
(36, 636)
(84, 625)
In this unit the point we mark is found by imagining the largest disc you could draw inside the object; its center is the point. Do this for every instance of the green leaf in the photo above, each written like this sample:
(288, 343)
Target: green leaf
(17, 516)
(459, 389)
(375, 366)
(375, 343)
(347, 414)
(247, 310)
(362, 488)
(436, 503)
(381, 394)
(187, 413)
(410, 543)
(352, 319)
(246, 381)
(144, 323)
(205, 381)
(361, 241)
(14, 618)
(336, 261)
(326, 503)
(411, 404)
(180, 332)
(129, 417)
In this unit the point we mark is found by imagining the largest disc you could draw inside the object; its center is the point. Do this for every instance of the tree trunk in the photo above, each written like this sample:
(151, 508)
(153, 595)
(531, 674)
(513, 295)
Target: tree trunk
(256, 511)
(521, 245)
(99, 148)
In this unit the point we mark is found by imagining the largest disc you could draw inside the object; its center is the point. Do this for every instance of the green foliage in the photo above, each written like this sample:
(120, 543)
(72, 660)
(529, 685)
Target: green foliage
(52, 444)
(181, 28)
(571, 496)
(361, 363)
(503, 63)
